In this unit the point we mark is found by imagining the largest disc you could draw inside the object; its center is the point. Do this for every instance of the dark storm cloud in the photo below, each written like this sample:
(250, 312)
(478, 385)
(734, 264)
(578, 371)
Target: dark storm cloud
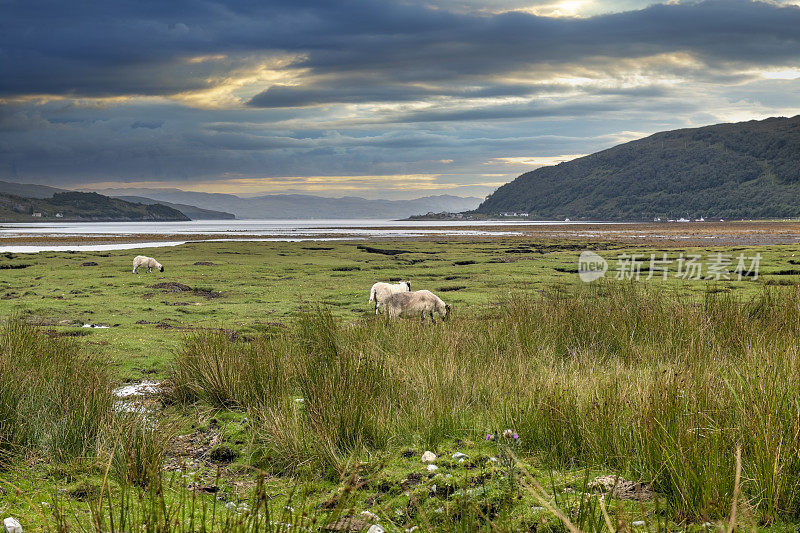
(113, 48)
(455, 89)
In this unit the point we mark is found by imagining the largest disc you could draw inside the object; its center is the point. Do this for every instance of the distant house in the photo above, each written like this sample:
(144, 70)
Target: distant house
(59, 215)
(37, 214)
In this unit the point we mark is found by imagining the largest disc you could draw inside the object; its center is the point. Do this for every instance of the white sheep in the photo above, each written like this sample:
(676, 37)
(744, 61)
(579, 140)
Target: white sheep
(144, 261)
(380, 291)
(420, 303)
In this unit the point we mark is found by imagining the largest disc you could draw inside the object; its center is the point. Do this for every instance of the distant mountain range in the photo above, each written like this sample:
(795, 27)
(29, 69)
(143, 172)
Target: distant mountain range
(74, 206)
(30, 190)
(742, 170)
(301, 206)
(191, 211)
(213, 206)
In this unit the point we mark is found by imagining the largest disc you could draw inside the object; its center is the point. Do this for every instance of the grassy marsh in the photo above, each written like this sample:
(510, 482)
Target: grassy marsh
(658, 381)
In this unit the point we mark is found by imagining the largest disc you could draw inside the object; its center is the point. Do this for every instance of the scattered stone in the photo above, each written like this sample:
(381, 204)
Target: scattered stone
(372, 517)
(11, 525)
(428, 457)
(230, 506)
(433, 488)
(204, 263)
(432, 468)
(459, 455)
(637, 523)
(412, 529)
(621, 488)
(375, 528)
(88, 264)
(538, 509)
(492, 459)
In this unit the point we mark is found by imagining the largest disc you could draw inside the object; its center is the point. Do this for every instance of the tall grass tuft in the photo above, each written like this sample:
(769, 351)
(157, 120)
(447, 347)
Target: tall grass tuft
(138, 445)
(54, 400)
(611, 376)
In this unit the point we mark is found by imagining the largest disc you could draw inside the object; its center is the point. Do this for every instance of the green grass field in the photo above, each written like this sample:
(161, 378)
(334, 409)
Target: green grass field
(256, 286)
(658, 381)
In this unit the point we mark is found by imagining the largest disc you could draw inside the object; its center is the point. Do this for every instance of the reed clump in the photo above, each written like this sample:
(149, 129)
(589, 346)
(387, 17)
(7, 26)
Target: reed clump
(54, 399)
(615, 375)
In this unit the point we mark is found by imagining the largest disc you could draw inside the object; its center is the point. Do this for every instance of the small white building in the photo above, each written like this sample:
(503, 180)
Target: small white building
(37, 214)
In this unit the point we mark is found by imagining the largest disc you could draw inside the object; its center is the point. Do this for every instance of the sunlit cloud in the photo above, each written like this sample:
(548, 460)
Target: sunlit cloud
(537, 161)
(240, 84)
(567, 8)
(782, 74)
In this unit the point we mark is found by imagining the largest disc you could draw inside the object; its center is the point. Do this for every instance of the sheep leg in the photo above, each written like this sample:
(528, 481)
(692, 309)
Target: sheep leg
(376, 306)
(134, 270)
(433, 320)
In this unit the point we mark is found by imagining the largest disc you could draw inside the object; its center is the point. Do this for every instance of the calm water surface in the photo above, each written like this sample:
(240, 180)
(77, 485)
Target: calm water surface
(248, 230)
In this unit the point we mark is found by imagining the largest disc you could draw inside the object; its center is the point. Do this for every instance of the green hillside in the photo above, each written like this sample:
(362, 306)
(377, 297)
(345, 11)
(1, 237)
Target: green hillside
(81, 206)
(742, 170)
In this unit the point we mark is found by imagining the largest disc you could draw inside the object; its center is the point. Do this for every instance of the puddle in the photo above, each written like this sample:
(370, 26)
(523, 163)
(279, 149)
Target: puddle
(131, 390)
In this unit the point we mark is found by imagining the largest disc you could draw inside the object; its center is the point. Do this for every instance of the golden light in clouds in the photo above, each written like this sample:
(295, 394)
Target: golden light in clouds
(247, 186)
(537, 161)
(240, 84)
(567, 8)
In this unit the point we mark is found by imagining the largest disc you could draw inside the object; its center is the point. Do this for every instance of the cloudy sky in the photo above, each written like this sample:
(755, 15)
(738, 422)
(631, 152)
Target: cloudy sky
(370, 98)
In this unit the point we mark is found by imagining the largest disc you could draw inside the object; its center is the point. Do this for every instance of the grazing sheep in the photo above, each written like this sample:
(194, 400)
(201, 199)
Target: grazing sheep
(415, 303)
(144, 261)
(380, 291)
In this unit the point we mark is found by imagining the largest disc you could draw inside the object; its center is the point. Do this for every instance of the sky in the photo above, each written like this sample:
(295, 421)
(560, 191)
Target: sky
(379, 99)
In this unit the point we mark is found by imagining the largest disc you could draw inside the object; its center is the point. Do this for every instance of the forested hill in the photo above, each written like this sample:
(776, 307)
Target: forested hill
(81, 206)
(742, 170)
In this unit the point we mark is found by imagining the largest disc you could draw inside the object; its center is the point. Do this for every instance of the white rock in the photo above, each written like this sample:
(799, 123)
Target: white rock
(433, 489)
(492, 459)
(11, 525)
(411, 529)
(537, 509)
(370, 516)
(375, 528)
(432, 468)
(459, 455)
(637, 523)
(428, 457)
(230, 506)
(461, 460)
